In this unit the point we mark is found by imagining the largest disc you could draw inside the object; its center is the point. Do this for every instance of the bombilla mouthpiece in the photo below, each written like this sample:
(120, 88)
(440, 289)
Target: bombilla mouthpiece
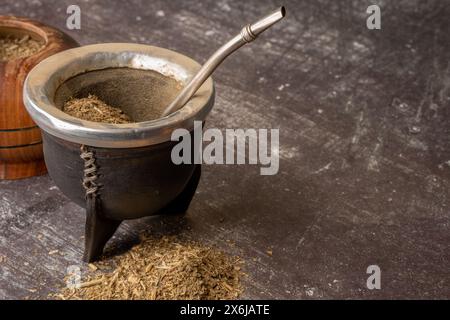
(266, 22)
(247, 34)
(251, 31)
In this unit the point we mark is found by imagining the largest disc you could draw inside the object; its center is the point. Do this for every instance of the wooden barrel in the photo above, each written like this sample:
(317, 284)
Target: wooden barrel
(21, 153)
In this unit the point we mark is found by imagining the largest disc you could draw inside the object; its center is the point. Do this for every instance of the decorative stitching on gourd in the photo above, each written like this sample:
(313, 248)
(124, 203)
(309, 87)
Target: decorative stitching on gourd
(90, 171)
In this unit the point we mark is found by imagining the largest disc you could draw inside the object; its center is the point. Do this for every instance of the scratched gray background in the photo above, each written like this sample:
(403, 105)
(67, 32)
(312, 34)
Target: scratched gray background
(364, 119)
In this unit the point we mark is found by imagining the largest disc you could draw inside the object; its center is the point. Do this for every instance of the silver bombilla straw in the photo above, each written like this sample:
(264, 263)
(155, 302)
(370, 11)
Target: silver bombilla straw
(247, 35)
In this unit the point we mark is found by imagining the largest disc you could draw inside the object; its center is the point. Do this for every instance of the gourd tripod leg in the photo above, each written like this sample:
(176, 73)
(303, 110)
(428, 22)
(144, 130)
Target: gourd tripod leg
(98, 230)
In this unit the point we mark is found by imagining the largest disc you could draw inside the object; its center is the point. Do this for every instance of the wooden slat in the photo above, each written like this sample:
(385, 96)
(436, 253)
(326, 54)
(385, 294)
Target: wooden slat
(19, 136)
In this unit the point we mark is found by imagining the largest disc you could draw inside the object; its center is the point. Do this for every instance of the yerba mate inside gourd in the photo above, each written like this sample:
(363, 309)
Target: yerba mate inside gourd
(117, 95)
(94, 109)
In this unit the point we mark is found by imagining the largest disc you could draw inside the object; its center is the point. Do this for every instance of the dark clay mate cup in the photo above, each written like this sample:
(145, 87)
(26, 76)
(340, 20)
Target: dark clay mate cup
(117, 171)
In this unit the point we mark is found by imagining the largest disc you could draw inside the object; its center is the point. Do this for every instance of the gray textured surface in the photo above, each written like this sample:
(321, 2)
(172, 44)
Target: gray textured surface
(365, 149)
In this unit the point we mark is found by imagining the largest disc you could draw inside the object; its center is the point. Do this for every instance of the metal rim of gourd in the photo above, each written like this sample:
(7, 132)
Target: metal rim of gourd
(44, 79)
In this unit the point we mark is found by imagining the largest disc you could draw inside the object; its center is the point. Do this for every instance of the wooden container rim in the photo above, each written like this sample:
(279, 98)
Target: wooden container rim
(47, 33)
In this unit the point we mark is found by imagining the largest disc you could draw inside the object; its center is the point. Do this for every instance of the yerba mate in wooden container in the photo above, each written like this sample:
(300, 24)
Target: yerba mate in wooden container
(23, 44)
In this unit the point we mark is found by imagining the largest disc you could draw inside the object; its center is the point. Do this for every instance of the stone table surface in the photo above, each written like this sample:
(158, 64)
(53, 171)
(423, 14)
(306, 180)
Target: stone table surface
(364, 121)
